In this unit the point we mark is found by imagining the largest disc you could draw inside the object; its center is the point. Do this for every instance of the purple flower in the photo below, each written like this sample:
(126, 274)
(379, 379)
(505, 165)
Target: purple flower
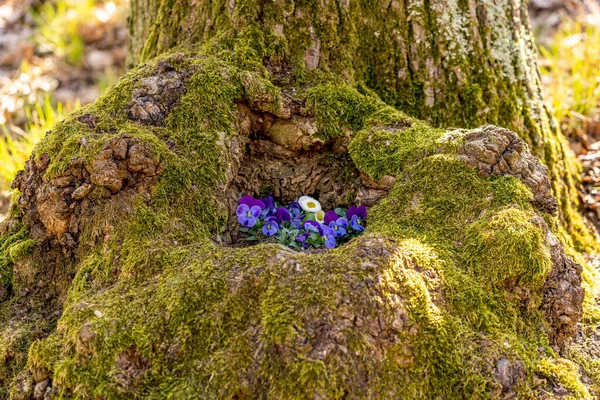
(251, 202)
(328, 236)
(296, 223)
(270, 228)
(361, 211)
(295, 209)
(247, 215)
(301, 238)
(357, 223)
(283, 215)
(357, 216)
(269, 208)
(311, 225)
(330, 216)
(339, 227)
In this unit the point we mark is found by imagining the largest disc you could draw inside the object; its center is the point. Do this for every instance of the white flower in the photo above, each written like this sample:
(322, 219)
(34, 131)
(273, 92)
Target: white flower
(320, 216)
(309, 204)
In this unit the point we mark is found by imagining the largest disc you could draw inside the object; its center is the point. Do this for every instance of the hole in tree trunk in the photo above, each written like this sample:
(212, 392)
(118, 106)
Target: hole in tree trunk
(287, 159)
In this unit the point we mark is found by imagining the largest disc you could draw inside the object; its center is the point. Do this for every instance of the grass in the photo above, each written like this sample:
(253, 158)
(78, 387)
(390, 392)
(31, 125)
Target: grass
(570, 69)
(16, 144)
(60, 23)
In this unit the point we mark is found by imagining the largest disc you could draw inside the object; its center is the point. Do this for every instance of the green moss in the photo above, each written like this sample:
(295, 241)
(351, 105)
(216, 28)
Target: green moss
(512, 239)
(340, 108)
(14, 245)
(564, 372)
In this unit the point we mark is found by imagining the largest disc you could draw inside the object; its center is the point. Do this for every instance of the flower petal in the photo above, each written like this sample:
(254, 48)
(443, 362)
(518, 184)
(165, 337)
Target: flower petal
(251, 201)
(295, 209)
(342, 222)
(255, 210)
(311, 225)
(283, 215)
(330, 216)
(309, 204)
(242, 209)
(362, 211)
(351, 212)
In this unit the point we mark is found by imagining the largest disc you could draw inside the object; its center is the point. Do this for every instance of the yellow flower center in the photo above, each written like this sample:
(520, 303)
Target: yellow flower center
(249, 214)
(359, 222)
(335, 227)
(311, 204)
(324, 237)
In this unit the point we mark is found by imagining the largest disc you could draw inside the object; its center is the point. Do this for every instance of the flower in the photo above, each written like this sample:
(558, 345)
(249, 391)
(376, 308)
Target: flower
(320, 216)
(251, 202)
(357, 223)
(312, 226)
(295, 209)
(328, 236)
(301, 238)
(247, 215)
(296, 223)
(357, 216)
(269, 206)
(330, 216)
(283, 215)
(361, 211)
(309, 204)
(339, 227)
(270, 228)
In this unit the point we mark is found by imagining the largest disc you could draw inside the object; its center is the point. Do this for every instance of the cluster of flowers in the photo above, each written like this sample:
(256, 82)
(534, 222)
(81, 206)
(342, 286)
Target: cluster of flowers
(301, 224)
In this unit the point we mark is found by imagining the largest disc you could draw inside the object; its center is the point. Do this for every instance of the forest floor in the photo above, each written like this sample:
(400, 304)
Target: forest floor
(56, 55)
(568, 36)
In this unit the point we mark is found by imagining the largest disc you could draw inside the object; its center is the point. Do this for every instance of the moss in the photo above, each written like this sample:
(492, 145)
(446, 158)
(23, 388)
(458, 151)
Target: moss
(14, 245)
(511, 238)
(564, 372)
(339, 108)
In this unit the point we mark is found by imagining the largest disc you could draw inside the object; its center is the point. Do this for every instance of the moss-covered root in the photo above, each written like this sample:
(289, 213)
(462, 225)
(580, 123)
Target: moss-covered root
(376, 319)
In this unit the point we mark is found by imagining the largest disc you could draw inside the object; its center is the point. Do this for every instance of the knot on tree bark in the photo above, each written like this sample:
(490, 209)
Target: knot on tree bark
(157, 94)
(58, 208)
(498, 151)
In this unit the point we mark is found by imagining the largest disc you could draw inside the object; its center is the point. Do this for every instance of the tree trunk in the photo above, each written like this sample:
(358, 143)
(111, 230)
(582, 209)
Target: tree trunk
(121, 270)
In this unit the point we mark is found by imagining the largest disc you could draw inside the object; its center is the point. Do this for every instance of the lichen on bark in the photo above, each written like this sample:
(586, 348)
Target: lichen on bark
(465, 284)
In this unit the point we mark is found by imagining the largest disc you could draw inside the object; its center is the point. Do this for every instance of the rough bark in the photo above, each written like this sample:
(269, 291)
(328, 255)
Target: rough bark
(119, 241)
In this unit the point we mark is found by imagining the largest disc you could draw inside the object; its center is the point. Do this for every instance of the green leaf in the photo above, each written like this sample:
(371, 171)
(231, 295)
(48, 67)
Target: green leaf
(340, 211)
(252, 238)
(244, 229)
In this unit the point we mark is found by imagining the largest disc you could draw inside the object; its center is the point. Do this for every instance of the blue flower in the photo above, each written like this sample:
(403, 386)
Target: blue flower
(357, 223)
(296, 223)
(357, 216)
(270, 228)
(339, 227)
(295, 209)
(301, 238)
(247, 215)
(269, 208)
(328, 236)
(311, 225)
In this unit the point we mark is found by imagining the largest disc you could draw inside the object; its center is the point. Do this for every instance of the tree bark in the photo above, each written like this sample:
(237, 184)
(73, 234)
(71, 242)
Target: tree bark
(122, 248)
(454, 64)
